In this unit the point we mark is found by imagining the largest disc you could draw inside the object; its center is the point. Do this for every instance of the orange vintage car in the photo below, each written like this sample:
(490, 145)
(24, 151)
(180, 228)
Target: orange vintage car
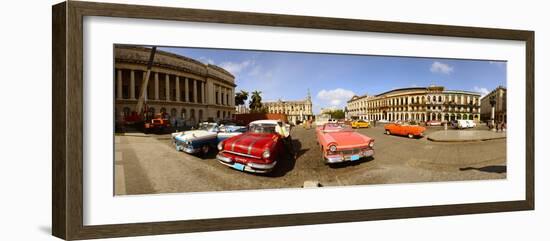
(410, 130)
(340, 143)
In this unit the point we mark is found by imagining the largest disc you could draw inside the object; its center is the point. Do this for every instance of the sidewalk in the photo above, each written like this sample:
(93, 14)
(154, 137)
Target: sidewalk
(465, 135)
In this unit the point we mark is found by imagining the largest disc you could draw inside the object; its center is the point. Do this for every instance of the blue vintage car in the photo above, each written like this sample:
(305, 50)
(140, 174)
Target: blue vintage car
(205, 138)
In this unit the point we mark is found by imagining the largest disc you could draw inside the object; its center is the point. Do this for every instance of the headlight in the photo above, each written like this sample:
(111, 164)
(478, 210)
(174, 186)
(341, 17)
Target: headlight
(188, 142)
(266, 154)
(220, 146)
(332, 148)
(371, 144)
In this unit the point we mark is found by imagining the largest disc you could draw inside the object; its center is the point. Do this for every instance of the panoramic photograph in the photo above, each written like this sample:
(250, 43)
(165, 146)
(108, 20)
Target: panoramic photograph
(192, 119)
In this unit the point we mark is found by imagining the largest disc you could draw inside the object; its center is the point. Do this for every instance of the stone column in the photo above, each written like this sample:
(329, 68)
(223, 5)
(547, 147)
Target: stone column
(177, 88)
(167, 86)
(203, 90)
(195, 99)
(132, 85)
(119, 84)
(156, 86)
(186, 89)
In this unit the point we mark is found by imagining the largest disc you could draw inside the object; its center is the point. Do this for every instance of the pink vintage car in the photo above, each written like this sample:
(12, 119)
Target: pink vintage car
(340, 143)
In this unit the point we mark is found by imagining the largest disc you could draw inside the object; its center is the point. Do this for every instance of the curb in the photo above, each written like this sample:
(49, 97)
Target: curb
(469, 140)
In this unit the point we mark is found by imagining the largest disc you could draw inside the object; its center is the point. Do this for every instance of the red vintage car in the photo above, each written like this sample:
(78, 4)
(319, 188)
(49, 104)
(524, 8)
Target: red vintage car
(256, 150)
(340, 143)
(410, 130)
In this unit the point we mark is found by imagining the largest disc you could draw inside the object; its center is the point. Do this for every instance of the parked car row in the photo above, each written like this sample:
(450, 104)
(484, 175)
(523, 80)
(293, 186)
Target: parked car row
(260, 146)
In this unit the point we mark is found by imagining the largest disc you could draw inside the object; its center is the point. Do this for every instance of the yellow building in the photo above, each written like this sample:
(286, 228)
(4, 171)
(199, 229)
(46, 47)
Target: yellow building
(498, 95)
(418, 104)
(182, 87)
(296, 110)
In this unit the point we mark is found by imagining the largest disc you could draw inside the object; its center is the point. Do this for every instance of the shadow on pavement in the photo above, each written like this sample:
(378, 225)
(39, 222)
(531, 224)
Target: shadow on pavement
(351, 163)
(288, 162)
(493, 169)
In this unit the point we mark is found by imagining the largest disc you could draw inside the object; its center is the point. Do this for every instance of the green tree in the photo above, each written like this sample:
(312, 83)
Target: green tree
(337, 114)
(256, 101)
(241, 97)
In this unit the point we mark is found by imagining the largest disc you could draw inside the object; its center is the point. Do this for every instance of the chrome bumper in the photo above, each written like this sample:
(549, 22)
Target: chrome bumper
(249, 167)
(345, 158)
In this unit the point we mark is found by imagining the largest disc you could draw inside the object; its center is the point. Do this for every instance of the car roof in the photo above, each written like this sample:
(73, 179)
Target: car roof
(273, 122)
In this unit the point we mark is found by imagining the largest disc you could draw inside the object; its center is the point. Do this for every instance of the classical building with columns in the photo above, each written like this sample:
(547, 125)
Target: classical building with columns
(418, 104)
(179, 86)
(498, 95)
(295, 110)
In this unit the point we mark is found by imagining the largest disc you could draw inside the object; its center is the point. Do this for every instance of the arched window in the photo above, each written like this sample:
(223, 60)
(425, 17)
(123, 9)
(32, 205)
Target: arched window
(192, 114)
(126, 111)
(439, 99)
(151, 112)
(218, 114)
(183, 113)
(162, 110)
(200, 115)
(173, 112)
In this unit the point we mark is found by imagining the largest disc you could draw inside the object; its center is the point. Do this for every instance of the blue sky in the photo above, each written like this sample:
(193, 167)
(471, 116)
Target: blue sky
(334, 78)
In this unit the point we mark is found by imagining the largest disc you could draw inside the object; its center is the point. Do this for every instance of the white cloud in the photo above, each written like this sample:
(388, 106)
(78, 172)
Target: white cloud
(235, 68)
(438, 67)
(206, 60)
(335, 97)
(483, 91)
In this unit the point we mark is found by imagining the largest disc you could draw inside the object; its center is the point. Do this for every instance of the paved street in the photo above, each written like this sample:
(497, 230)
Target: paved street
(150, 164)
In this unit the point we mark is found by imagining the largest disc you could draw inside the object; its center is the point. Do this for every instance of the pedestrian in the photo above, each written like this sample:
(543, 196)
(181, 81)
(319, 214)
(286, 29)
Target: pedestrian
(287, 139)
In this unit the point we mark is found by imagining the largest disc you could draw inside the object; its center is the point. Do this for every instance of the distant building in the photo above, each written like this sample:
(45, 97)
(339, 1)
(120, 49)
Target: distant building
(499, 96)
(418, 104)
(296, 110)
(242, 109)
(328, 110)
(179, 86)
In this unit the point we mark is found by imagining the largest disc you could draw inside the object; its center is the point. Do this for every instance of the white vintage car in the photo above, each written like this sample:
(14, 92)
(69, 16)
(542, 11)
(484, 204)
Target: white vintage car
(204, 138)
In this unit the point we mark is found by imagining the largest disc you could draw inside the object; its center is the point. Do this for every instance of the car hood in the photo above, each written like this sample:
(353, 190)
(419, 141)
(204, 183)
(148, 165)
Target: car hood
(195, 135)
(346, 138)
(250, 143)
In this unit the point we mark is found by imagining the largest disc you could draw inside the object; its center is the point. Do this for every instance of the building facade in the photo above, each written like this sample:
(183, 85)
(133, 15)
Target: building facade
(179, 86)
(498, 95)
(417, 104)
(296, 111)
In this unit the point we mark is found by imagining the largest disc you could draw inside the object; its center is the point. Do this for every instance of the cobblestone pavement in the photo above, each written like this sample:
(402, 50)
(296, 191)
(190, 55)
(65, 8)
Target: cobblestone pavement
(150, 164)
(465, 135)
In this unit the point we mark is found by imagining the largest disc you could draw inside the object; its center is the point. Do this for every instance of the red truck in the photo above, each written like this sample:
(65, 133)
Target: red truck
(158, 124)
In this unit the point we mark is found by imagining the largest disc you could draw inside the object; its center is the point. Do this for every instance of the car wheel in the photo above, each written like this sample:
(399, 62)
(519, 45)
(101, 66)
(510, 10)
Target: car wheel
(388, 132)
(205, 149)
(410, 135)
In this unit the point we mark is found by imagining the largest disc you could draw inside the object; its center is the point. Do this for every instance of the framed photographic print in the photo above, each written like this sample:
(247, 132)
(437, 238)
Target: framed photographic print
(171, 120)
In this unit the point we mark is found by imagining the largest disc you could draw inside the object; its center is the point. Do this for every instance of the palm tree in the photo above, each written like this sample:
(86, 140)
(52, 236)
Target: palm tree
(241, 97)
(255, 101)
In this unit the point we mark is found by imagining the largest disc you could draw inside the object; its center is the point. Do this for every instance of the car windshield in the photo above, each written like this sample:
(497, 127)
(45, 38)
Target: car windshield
(233, 129)
(407, 123)
(207, 126)
(336, 127)
(262, 128)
